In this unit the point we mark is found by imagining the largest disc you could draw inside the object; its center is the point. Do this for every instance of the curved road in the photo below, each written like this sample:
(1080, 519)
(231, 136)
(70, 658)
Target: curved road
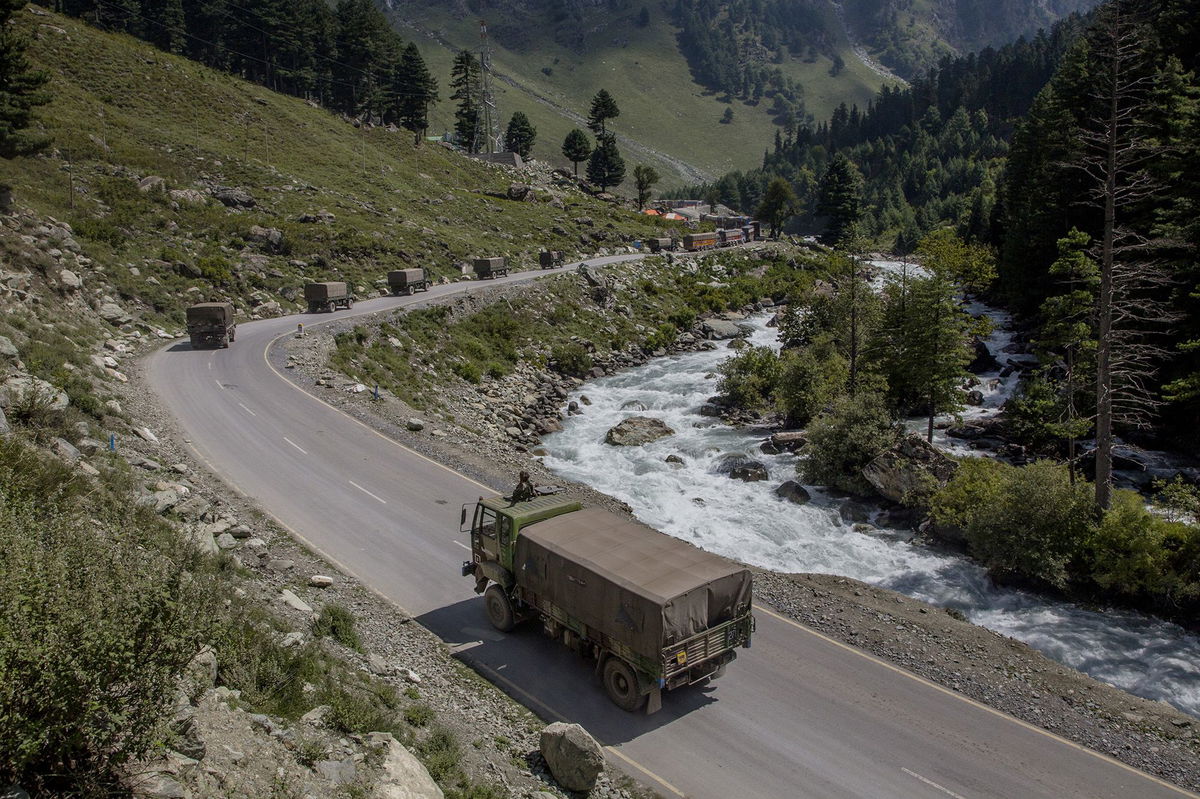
(797, 715)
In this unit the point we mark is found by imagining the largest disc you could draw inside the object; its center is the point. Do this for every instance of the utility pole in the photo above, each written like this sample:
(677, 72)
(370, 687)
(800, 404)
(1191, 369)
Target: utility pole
(489, 121)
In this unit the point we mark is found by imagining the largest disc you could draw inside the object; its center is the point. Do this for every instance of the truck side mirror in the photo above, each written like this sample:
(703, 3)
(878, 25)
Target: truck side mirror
(462, 521)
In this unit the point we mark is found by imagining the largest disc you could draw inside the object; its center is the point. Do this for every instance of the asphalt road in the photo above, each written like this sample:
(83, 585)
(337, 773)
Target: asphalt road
(798, 715)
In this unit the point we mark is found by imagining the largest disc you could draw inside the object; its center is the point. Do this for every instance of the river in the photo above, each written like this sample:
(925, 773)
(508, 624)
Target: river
(747, 522)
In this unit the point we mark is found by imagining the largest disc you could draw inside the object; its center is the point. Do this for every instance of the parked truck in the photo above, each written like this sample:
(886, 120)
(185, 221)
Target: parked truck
(328, 296)
(490, 267)
(211, 324)
(653, 611)
(407, 281)
(548, 259)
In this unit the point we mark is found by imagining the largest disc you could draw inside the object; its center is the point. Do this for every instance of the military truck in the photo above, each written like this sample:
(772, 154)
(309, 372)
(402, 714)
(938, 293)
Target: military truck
(211, 323)
(407, 281)
(654, 611)
(490, 267)
(548, 259)
(660, 244)
(328, 296)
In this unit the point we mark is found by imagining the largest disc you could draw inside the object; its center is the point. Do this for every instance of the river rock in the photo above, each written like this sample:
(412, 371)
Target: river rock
(741, 467)
(720, 329)
(789, 440)
(912, 466)
(984, 361)
(675, 460)
(793, 492)
(633, 405)
(974, 397)
(636, 431)
(573, 756)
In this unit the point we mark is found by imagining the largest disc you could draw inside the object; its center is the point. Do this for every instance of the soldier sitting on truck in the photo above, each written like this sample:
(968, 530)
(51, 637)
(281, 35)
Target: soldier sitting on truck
(524, 489)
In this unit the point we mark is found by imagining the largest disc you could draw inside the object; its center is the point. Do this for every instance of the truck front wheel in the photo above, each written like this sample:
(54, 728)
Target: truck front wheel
(621, 685)
(499, 609)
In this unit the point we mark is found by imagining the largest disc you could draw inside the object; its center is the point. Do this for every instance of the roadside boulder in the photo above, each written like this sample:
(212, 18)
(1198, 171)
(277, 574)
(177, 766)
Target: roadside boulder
(21, 389)
(636, 431)
(910, 467)
(573, 756)
(401, 775)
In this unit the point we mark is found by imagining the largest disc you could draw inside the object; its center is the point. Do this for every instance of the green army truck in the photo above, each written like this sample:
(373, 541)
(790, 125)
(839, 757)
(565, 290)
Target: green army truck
(328, 296)
(211, 324)
(654, 611)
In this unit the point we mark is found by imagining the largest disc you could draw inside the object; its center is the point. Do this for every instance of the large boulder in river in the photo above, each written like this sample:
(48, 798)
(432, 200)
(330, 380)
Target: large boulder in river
(741, 467)
(911, 467)
(573, 756)
(720, 329)
(793, 492)
(983, 361)
(636, 431)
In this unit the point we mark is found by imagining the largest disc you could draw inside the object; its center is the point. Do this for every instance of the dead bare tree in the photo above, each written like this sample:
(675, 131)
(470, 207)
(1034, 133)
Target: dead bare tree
(1115, 153)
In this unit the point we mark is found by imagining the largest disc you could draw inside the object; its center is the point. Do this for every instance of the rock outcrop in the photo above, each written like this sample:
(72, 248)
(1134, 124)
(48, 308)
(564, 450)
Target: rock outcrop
(910, 467)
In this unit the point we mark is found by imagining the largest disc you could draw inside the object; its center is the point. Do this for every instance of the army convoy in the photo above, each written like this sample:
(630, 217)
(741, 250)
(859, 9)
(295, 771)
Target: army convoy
(211, 324)
(328, 296)
(654, 612)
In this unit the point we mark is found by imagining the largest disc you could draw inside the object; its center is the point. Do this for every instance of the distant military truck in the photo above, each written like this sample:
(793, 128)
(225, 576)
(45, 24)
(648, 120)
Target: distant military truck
(328, 296)
(211, 324)
(548, 259)
(407, 281)
(655, 612)
(486, 268)
(660, 244)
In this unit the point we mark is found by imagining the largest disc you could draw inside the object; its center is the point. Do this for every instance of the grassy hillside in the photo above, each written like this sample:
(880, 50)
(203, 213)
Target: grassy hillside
(670, 118)
(126, 113)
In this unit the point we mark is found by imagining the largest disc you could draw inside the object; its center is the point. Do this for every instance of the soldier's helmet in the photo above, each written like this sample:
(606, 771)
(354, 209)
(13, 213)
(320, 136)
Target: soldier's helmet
(524, 475)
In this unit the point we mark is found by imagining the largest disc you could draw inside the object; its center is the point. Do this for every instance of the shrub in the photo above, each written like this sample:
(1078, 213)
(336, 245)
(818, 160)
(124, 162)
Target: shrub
(750, 378)
(97, 616)
(337, 622)
(418, 715)
(810, 380)
(467, 371)
(845, 439)
(570, 359)
(664, 336)
(371, 708)
(441, 755)
(1030, 523)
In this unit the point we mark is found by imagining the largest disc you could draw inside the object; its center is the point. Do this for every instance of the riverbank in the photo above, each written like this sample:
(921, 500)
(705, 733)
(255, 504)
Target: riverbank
(994, 670)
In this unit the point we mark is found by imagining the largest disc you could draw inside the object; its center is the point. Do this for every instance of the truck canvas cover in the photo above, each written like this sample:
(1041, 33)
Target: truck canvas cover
(403, 277)
(218, 312)
(645, 589)
(325, 291)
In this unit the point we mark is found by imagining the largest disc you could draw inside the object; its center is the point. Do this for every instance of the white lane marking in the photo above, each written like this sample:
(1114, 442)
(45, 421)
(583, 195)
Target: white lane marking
(247, 410)
(218, 382)
(294, 444)
(464, 546)
(365, 491)
(932, 784)
(210, 366)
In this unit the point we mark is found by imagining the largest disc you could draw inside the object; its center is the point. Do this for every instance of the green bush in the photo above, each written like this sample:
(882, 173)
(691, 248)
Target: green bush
(98, 615)
(811, 378)
(1030, 523)
(750, 378)
(337, 622)
(418, 715)
(441, 754)
(1145, 558)
(662, 338)
(370, 708)
(570, 359)
(846, 438)
(467, 371)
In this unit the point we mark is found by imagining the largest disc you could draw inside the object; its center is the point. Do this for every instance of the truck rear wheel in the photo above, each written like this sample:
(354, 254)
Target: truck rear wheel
(499, 609)
(621, 685)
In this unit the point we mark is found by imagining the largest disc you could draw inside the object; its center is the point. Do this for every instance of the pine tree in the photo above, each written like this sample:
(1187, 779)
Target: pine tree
(416, 90)
(606, 167)
(604, 108)
(468, 93)
(520, 135)
(644, 178)
(20, 92)
(839, 200)
(576, 148)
